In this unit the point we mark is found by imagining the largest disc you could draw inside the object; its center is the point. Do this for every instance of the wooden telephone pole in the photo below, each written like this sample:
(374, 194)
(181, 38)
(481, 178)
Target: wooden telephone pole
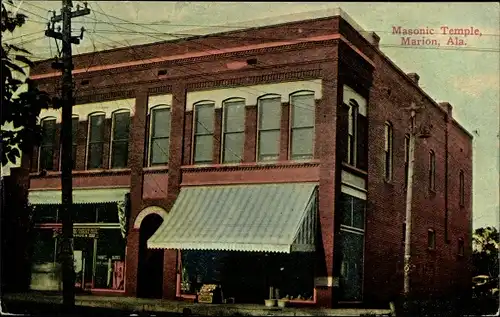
(66, 66)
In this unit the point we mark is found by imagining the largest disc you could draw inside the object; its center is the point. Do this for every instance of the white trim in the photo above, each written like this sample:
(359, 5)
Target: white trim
(147, 211)
(97, 113)
(84, 110)
(349, 190)
(112, 133)
(163, 100)
(252, 93)
(349, 93)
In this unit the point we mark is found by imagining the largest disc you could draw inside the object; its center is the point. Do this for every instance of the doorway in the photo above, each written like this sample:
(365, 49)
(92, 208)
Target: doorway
(150, 271)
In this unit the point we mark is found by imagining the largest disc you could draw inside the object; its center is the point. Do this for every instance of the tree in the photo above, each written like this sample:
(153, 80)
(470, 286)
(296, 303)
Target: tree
(485, 251)
(21, 99)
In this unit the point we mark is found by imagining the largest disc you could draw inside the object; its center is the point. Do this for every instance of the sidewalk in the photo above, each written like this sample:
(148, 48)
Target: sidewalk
(141, 305)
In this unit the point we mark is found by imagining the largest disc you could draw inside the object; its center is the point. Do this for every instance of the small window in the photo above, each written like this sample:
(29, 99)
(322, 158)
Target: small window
(302, 109)
(269, 116)
(46, 155)
(95, 141)
(352, 132)
(119, 139)
(159, 142)
(407, 157)
(462, 188)
(461, 247)
(203, 133)
(431, 239)
(233, 131)
(388, 151)
(432, 171)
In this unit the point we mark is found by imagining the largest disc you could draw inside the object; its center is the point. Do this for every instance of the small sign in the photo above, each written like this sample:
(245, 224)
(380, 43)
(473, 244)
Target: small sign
(80, 232)
(210, 294)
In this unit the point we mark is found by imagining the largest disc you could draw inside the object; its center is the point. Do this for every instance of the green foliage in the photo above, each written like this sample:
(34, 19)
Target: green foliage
(21, 100)
(485, 251)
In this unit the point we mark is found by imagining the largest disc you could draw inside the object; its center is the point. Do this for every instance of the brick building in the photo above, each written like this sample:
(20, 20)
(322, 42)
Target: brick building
(246, 155)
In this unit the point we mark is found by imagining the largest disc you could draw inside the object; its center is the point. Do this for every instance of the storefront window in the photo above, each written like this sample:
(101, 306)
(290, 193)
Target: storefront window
(110, 260)
(107, 213)
(45, 213)
(84, 213)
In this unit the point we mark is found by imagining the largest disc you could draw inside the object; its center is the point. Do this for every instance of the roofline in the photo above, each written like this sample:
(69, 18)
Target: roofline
(461, 127)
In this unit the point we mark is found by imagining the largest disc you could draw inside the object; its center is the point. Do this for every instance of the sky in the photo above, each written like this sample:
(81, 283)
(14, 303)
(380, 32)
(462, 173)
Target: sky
(467, 75)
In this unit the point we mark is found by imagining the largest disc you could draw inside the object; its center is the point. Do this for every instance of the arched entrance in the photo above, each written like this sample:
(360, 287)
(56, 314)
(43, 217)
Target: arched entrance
(150, 270)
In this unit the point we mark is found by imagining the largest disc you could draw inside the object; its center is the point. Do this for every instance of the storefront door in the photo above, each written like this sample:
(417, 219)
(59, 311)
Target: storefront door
(150, 275)
(83, 253)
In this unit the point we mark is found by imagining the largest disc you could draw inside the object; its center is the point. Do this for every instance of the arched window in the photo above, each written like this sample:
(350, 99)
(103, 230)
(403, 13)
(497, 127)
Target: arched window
(233, 130)
(432, 171)
(461, 247)
(268, 126)
(431, 239)
(159, 135)
(352, 128)
(203, 132)
(95, 140)
(407, 157)
(462, 188)
(120, 128)
(388, 150)
(302, 109)
(46, 155)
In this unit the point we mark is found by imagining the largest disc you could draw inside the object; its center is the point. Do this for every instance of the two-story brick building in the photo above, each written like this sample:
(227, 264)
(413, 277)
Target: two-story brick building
(273, 156)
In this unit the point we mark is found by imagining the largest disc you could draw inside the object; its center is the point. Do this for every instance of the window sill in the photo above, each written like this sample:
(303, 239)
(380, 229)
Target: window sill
(156, 168)
(354, 169)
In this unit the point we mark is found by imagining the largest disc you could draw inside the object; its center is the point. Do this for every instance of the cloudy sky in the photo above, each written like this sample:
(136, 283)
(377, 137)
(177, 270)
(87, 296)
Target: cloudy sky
(467, 76)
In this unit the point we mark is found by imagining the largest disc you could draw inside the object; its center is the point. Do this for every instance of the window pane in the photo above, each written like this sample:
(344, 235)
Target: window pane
(302, 143)
(233, 147)
(204, 119)
(358, 213)
(269, 113)
(96, 128)
(48, 132)
(74, 130)
(303, 111)
(119, 154)
(84, 213)
(45, 213)
(159, 151)
(269, 143)
(346, 209)
(46, 157)
(44, 246)
(107, 213)
(121, 126)
(95, 155)
(203, 149)
(110, 260)
(161, 122)
(73, 153)
(234, 116)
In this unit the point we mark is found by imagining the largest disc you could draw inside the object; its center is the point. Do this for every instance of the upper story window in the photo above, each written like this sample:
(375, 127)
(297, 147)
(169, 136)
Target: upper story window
(159, 136)
(120, 138)
(233, 130)
(203, 132)
(46, 155)
(269, 123)
(461, 247)
(74, 139)
(432, 170)
(431, 239)
(95, 140)
(352, 132)
(388, 151)
(302, 107)
(407, 157)
(462, 188)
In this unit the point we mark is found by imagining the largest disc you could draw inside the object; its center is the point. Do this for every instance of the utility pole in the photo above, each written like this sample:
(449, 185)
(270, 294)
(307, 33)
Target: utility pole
(409, 198)
(66, 240)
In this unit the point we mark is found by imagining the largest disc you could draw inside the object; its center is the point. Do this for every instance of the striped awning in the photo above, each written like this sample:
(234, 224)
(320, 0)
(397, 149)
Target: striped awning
(80, 196)
(259, 218)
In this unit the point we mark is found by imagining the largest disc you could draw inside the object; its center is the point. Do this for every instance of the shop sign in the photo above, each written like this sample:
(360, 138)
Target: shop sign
(80, 232)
